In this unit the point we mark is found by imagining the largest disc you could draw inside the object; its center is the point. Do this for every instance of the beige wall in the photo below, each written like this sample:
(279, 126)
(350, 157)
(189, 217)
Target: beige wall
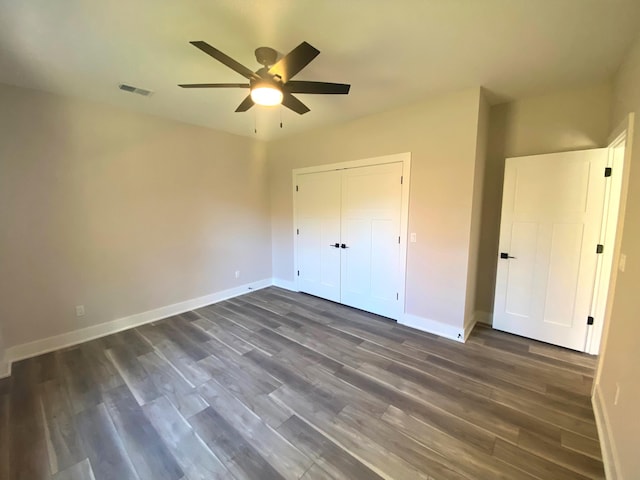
(567, 120)
(620, 354)
(120, 212)
(441, 135)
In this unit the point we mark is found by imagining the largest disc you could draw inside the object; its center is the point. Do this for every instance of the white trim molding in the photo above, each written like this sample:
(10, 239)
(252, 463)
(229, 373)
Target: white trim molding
(433, 326)
(286, 284)
(485, 318)
(607, 444)
(405, 159)
(5, 368)
(67, 339)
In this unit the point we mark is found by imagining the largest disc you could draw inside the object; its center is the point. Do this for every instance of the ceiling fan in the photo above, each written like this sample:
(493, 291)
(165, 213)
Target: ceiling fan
(272, 84)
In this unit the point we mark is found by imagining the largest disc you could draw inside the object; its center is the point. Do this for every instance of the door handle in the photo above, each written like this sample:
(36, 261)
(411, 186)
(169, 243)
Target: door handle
(505, 255)
(343, 246)
(335, 245)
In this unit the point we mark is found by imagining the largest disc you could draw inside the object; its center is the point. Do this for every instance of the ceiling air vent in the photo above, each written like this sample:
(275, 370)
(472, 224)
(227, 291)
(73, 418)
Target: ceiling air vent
(139, 91)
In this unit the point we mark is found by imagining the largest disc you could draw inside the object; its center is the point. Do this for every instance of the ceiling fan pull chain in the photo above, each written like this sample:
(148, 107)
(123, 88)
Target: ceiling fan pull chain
(280, 115)
(255, 122)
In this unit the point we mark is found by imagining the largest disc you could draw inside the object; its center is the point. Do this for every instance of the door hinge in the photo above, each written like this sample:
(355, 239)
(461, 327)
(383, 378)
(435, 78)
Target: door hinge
(296, 188)
(589, 320)
(600, 248)
(397, 296)
(298, 272)
(401, 179)
(398, 239)
(297, 231)
(607, 171)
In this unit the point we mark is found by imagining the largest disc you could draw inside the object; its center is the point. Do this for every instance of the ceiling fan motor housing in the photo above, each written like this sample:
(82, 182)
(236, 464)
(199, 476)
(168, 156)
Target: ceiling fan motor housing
(266, 56)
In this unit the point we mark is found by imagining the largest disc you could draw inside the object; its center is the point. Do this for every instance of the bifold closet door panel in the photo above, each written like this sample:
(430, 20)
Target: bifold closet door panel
(318, 231)
(370, 230)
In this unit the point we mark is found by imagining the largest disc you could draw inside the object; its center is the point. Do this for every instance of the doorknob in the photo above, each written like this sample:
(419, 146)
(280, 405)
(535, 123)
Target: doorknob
(343, 246)
(336, 245)
(505, 255)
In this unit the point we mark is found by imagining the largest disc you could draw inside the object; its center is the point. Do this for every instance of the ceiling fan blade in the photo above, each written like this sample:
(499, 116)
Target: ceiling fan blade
(294, 61)
(294, 104)
(301, 86)
(214, 85)
(225, 59)
(246, 104)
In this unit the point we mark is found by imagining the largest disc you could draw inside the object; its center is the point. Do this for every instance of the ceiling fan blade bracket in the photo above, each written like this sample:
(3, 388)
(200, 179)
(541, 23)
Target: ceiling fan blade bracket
(291, 64)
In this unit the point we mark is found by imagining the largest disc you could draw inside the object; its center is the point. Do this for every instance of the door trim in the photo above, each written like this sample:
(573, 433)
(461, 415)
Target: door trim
(608, 263)
(405, 159)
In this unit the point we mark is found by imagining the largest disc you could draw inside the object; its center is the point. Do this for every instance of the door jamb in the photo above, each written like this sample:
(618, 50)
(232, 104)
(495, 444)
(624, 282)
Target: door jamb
(626, 128)
(405, 159)
(608, 263)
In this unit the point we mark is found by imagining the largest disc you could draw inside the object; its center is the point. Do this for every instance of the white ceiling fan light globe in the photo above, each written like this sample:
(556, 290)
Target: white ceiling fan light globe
(266, 95)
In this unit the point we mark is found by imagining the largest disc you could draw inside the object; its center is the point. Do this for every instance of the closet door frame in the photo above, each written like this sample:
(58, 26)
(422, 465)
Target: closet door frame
(405, 159)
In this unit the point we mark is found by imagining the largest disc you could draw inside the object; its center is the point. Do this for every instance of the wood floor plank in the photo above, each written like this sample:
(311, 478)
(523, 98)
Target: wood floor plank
(316, 472)
(578, 443)
(360, 446)
(136, 378)
(531, 463)
(462, 456)
(5, 429)
(103, 372)
(441, 419)
(64, 444)
(556, 453)
(240, 457)
(79, 471)
(84, 391)
(105, 450)
(283, 457)
(333, 460)
(149, 455)
(194, 457)
(171, 383)
(28, 455)
(385, 435)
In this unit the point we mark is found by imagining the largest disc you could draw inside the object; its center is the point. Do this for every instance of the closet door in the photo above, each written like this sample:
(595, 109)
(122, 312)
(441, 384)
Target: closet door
(370, 233)
(318, 228)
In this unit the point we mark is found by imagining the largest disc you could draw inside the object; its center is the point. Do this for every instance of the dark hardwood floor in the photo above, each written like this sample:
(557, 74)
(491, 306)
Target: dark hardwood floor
(278, 385)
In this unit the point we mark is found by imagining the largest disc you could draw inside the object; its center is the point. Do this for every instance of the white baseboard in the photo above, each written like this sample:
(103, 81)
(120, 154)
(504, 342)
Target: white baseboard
(5, 368)
(286, 284)
(468, 326)
(484, 317)
(433, 326)
(38, 347)
(609, 452)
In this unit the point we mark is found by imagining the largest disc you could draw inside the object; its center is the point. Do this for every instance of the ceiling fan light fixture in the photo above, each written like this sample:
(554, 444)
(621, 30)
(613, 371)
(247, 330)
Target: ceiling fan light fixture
(266, 95)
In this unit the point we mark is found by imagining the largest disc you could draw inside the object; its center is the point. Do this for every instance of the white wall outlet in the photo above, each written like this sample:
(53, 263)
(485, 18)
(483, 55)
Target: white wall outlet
(413, 238)
(79, 310)
(623, 262)
(237, 273)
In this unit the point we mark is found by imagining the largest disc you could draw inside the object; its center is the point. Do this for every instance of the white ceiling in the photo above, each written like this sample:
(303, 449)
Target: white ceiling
(392, 52)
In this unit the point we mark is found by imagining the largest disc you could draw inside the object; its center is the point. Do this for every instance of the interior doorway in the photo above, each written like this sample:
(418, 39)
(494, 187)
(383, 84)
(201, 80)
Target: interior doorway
(558, 244)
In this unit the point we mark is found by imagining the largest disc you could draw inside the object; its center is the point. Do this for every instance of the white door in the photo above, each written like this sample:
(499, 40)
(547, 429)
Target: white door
(551, 216)
(348, 228)
(371, 206)
(318, 225)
